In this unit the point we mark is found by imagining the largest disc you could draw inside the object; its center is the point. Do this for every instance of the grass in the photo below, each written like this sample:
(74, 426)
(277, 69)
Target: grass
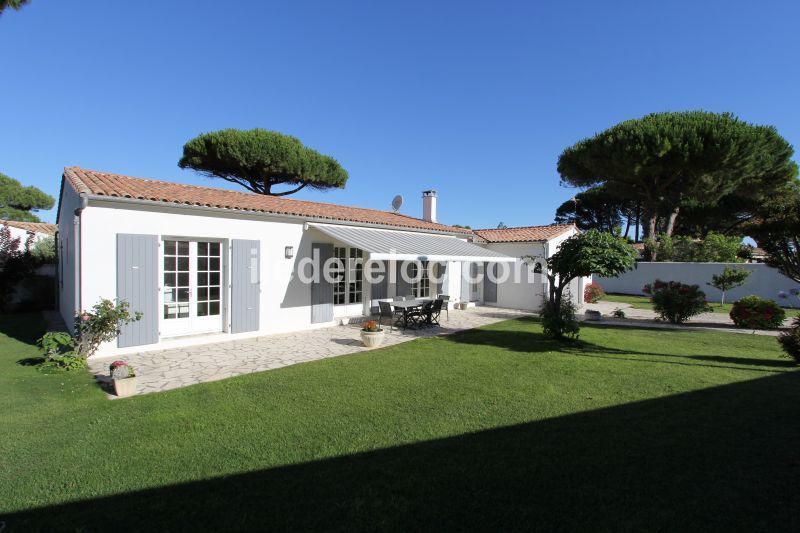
(643, 302)
(496, 428)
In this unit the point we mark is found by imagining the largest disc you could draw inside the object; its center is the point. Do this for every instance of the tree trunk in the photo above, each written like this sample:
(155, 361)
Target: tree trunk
(627, 227)
(671, 222)
(638, 219)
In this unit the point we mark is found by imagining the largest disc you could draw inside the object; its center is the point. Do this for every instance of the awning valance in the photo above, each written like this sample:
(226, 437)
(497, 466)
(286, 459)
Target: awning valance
(382, 244)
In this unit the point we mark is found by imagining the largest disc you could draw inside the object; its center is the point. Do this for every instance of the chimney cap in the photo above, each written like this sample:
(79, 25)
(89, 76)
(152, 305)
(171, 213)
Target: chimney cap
(429, 192)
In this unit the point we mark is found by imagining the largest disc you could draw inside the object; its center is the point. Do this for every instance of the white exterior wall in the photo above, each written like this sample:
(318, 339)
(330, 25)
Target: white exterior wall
(523, 289)
(66, 255)
(764, 281)
(285, 303)
(22, 235)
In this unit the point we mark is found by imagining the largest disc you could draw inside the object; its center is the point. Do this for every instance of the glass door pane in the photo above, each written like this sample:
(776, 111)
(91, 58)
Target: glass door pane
(177, 290)
(209, 273)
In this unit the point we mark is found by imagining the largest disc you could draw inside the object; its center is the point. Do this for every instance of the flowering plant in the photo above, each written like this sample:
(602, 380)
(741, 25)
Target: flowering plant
(593, 292)
(371, 326)
(757, 313)
(676, 301)
(121, 370)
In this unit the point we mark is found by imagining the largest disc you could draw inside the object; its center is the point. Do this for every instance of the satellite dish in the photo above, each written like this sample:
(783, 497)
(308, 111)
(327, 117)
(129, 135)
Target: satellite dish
(397, 202)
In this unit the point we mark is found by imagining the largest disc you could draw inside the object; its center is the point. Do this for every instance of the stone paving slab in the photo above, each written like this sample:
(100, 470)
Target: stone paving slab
(162, 370)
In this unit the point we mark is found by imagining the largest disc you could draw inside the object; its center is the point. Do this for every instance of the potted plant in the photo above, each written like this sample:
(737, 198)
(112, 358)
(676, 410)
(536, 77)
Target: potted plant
(124, 378)
(462, 305)
(372, 334)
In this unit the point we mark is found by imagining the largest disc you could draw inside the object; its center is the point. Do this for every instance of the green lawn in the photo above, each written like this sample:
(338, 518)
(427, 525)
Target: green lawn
(493, 429)
(643, 302)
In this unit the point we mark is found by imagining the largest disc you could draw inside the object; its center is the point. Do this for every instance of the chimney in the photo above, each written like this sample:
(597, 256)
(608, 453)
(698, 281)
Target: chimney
(429, 205)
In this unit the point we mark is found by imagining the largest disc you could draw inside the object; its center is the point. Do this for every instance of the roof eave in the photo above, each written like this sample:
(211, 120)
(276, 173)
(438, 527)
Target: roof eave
(258, 213)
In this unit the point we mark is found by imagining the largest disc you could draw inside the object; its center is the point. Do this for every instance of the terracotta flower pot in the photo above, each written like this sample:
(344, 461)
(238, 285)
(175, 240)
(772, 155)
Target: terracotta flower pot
(125, 387)
(371, 339)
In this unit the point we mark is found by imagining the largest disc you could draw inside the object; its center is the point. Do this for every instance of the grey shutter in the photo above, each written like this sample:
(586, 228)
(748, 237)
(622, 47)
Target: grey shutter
(403, 286)
(245, 285)
(490, 285)
(465, 285)
(321, 289)
(137, 283)
(380, 290)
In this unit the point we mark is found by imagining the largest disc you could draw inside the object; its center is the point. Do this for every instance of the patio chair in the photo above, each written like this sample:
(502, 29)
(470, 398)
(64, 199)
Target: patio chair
(422, 317)
(435, 311)
(399, 299)
(445, 298)
(386, 311)
(410, 297)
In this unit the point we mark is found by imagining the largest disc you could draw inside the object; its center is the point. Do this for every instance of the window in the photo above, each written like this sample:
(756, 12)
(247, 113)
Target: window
(348, 271)
(421, 287)
(356, 275)
(338, 273)
(176, 279)
(208, 278)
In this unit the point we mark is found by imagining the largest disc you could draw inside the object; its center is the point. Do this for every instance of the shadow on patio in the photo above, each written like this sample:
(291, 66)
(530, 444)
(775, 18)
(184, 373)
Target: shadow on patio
(720, 458)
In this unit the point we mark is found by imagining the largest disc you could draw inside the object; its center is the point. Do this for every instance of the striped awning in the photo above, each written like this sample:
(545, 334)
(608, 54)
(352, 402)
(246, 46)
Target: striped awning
(382, 244)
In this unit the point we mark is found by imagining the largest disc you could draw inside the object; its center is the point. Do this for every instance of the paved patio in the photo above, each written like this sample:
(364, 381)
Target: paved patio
(171, 369)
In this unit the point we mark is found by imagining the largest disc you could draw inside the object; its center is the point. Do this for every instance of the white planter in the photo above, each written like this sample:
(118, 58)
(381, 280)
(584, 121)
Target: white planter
(125, 387)
(345, 321)
(462, 305)
(371, 339)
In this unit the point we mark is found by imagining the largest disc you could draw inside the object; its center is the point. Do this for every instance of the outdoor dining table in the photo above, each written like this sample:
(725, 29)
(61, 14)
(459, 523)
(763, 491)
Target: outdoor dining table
(409, 305)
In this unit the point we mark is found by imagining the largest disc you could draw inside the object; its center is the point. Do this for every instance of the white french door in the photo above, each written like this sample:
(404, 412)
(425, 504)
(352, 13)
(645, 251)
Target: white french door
(192, 287)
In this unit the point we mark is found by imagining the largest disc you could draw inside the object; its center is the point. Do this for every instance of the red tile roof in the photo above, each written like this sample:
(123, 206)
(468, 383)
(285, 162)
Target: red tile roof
(35, 227)
(106, 184)
(523, 234)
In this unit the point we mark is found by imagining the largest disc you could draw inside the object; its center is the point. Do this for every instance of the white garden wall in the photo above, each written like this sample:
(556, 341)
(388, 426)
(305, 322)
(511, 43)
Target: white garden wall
(764, 281)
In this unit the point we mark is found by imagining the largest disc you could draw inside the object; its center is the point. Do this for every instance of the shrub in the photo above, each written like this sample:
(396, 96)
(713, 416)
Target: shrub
(101, 325)
(559, 323)
(618, 313)
(593, 292)
(790, 340)
(676, 302)
(757, 313)
(59, 351)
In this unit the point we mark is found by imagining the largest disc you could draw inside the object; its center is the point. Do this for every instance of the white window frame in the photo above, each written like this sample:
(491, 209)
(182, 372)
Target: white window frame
(420, 288)
(349, 290)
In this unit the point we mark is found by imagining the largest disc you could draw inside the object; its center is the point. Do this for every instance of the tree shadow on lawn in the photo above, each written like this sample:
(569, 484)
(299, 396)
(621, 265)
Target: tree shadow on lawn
(720, 458)
(24, 327)
(534, 342)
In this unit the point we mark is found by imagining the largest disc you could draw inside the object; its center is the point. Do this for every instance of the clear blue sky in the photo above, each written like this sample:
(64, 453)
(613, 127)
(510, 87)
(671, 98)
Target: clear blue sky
(474, 99)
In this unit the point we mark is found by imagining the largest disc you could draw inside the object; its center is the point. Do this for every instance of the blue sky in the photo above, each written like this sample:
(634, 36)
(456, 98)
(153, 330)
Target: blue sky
(474, 99)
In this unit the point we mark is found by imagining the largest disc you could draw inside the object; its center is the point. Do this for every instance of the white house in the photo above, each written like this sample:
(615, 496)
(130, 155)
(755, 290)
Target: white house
(36, 231)
(525, 287)
(204, 264)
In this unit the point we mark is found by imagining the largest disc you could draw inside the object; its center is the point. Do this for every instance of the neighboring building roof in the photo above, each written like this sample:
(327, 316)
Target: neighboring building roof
(115, 185)
(523, 234)
(33, 227)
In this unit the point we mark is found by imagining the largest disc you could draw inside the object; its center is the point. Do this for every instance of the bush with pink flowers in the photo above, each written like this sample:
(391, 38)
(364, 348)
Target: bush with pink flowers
(753, 312)
(593, 292)
(676, 302)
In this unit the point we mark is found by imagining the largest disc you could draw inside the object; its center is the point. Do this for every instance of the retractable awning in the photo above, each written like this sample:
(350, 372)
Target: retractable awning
(382, 244)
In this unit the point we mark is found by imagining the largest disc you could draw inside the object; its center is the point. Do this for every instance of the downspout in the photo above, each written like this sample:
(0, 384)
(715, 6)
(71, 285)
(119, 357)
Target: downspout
(78, 242)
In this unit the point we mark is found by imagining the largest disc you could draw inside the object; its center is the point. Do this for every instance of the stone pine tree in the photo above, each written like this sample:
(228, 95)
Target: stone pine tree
(728, 279)
(666, 160)
(777, 232)
(13, 4)
(18, 202)
(260, 160)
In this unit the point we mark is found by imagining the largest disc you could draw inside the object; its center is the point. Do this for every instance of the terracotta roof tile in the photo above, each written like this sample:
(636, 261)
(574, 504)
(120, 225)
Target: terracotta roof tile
(35, 227)
(116, 185)
(523, 234)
